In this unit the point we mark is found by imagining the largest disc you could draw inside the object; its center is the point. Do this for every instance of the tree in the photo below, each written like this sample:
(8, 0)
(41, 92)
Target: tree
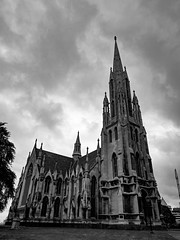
(7, 176)
(169, 218)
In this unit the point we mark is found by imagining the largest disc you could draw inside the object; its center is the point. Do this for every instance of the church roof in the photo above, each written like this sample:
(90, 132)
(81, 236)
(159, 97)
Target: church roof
(61, 162)
(64, 163)
(91, 159)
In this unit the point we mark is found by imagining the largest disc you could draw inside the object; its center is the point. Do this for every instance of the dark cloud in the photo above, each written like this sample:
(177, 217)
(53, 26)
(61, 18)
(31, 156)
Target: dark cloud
(152, 34)
(54, 63)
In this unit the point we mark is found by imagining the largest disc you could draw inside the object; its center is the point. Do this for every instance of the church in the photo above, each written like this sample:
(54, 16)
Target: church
(113, 184)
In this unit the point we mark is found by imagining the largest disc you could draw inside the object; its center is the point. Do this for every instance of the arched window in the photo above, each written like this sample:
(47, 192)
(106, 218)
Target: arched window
(59, 184)
(65, 186)
(131, 132)
(80, 183)
(72, 186)
(44, 206)
(78, 204)
(112, 89)
(112, 109)
(35, 185)
(133, 162)
(110, 136)
(136, 135)
(56, 207)
(138, 164)
(114, 165)
(47, 185)
(27, 184)
(116, 133)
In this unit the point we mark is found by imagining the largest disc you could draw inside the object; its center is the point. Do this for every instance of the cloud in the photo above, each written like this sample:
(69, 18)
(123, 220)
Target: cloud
(54, 62)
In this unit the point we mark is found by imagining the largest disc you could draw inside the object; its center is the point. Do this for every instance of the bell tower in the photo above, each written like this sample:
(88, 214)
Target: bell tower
(125, 160)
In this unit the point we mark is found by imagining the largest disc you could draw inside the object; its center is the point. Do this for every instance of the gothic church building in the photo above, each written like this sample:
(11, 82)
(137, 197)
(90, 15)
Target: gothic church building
(114, 183)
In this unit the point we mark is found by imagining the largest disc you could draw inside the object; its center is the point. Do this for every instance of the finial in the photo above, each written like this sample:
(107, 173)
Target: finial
(110, 69)
(115, 38)
(87, 150)
(35, 144)
(98, 144)
(125, 68)
(41, 145)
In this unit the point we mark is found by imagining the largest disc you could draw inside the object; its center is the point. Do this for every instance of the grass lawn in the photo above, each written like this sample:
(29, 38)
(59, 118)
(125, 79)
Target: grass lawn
(46, 233)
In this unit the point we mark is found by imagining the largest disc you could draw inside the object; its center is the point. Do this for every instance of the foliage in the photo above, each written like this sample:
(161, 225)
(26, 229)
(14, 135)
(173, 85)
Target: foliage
(7, 176)
(169, 219)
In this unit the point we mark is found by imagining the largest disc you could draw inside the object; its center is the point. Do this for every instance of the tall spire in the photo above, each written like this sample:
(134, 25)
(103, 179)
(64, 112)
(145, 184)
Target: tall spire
(117, 64)
(77, 148)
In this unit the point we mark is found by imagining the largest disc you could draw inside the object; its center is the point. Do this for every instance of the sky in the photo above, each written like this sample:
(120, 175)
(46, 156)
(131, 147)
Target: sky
(55, 59)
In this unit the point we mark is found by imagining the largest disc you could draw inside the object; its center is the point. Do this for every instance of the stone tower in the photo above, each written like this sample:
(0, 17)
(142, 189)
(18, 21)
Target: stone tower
(127, 184)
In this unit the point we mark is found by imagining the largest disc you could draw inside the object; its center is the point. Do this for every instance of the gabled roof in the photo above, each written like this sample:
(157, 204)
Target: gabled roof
(91, 159)
(62, 163)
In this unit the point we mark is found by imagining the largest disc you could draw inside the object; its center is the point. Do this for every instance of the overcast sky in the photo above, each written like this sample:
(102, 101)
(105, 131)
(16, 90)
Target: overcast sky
(55, 58)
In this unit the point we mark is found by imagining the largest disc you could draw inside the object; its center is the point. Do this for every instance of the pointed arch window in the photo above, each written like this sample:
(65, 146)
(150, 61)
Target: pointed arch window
(44, 206)
(116, 133)
(136, 135)
(78, 204)
(133, 162)
(65, 186)
(139, 171)
(112, 109)
(80, 183)
(72, 186)
(27, 184)
(56, 207)
(114, 165)
(131, 132)
(59, 185)
(47, 185)
(110, 136)
(112, 89)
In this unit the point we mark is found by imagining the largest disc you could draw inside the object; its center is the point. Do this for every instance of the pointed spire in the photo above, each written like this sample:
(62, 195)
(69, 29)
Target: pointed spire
(87, 154)
(35, 144)
(40, 152)
(117, 64)
(22, 172)
(77, 148)
(135, 99)
(105, 101)
(111, 74)
(98, 148)
(78, 139)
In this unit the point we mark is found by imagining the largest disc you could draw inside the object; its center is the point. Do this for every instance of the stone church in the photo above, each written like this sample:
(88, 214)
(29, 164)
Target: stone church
(113, 184)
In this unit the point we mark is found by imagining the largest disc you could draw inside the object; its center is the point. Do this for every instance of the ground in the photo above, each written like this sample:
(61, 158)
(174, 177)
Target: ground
(37, 233)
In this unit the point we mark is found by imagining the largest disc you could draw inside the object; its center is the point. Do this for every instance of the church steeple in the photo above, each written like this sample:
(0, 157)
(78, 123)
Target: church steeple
(77, 148)
(117, 64)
